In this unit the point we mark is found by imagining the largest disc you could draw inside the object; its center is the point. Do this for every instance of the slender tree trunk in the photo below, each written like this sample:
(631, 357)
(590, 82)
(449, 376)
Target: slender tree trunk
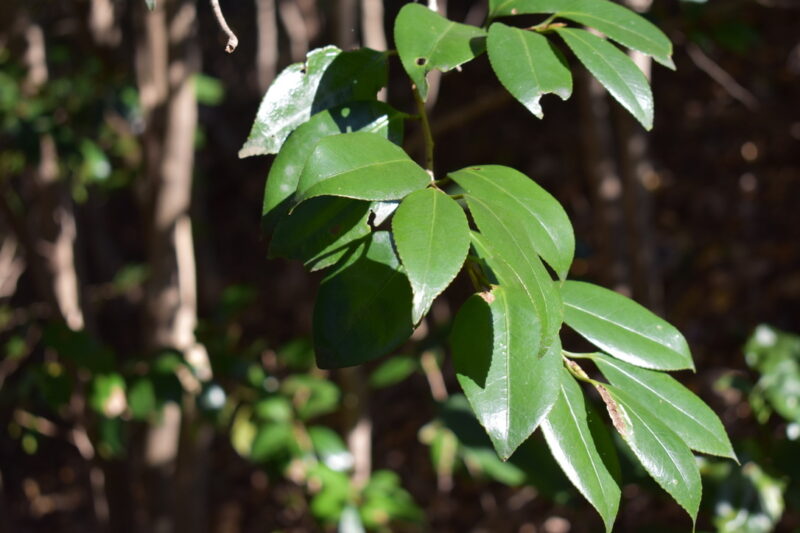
(295, 26)
(267, 53)
(167, 59)
(101, 23)
(345, 24)
(372, 24)
(49, 234)
(597, 143)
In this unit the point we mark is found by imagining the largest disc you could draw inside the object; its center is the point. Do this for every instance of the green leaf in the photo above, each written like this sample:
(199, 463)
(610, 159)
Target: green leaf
(321, 231)
(496, 354)
(615, 70)
(274, 409)
(272, 441)
(776, 355)
(151, 4)
(392, 371)
(432, 236)
(330, 448)
(284, 175)
(107, 394)
(243, 431)
(660, 451)
(748, 499)
(528, 65)
(328, 78)
(623, 328)
(311, 395)
(383, 500)
(363, 311)
(142, 399)
(615, 21)
(688, 416)
(569, 437)
(335, 495)
(208, 90)
(526, 208)
(364, 166)
(427, 41)
(515, 265)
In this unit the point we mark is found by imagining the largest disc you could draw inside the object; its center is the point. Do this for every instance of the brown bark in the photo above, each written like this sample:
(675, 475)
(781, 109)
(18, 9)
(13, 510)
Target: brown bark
(372, 24)
(167, 59)
(295, 27)
(605, 184)
(357, 422)
(49, 234)
(345, 24)
(267, 53)
(101, 23)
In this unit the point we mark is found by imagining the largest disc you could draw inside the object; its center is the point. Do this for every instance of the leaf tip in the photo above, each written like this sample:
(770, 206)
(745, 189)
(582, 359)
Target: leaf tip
(666, 61)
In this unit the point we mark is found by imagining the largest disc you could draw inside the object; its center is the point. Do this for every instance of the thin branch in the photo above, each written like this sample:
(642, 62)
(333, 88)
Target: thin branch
(434, 376)
(233, 41)
(719, 75)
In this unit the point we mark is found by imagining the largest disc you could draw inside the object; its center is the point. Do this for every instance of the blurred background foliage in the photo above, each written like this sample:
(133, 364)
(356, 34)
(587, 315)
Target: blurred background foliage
(697, 220)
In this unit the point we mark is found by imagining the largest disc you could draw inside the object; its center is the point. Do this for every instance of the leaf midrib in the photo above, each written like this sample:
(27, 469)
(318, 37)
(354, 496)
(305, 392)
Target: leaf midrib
(574, 33)
(586, 447)
(644, 37)
(624, 327)
(565, 14)
(329, 177)
(523, 205)
(669, 454)
(545, 320)
(613, 363)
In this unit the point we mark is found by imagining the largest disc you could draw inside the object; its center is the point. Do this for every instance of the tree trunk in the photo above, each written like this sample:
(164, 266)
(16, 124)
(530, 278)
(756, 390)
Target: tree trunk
(167, 58)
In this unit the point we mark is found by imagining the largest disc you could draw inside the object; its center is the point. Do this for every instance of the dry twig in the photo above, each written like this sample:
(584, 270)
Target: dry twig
(233, 41)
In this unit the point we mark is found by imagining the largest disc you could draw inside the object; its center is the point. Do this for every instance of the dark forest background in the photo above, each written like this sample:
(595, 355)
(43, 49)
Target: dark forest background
(156, 373)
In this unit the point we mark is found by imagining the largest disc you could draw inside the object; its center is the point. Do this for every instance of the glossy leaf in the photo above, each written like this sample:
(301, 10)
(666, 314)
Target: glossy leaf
(614, 70)
(496, 354)
(363, 311)
(688, 416)
(525, 207)
(623, 328)
(427, 41)
(364, 166)
(569, 437)
(284, 174)
(321, 231)
(516, 265)
(432, 236)
(328, 78)
(615, 21)
(660, 451)
(528, 65)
